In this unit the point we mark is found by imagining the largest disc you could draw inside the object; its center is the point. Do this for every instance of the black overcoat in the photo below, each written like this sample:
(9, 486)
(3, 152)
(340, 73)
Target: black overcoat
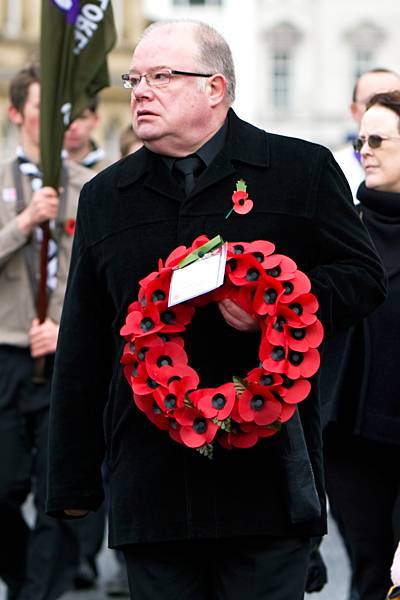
(134, 213)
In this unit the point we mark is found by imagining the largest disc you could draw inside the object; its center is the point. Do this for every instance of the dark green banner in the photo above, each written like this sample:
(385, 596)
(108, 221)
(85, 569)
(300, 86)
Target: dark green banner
(76, 36)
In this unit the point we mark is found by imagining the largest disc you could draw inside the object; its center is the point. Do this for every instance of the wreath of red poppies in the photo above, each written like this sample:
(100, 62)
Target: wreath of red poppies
(240, 412)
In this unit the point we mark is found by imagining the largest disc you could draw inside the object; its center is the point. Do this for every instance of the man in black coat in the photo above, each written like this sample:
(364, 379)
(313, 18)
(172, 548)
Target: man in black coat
(238, 525)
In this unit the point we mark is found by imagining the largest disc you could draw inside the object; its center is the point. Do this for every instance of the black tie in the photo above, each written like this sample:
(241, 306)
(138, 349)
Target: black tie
(187, 169)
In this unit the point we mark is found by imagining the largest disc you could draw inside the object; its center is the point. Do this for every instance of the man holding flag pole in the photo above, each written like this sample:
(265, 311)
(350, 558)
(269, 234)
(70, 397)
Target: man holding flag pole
(38, 201)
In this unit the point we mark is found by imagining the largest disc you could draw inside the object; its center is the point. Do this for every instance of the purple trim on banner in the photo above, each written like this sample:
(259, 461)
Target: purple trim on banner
(71, 7)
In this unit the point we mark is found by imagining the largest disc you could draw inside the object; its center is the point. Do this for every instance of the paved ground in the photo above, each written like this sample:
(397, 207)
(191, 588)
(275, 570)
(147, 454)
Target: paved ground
(332, 549)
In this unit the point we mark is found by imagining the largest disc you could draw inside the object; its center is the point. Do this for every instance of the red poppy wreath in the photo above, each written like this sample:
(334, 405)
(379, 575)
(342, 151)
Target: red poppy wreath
(240, 412)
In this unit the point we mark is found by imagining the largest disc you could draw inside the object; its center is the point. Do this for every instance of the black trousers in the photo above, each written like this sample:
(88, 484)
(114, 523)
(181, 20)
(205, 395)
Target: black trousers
(363, 487)
(256, 568)
(37, 563)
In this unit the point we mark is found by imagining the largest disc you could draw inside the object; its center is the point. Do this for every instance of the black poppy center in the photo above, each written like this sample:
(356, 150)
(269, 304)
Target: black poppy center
(278, 353)
(163, 361)
(131, 347)
(158, 296)
(288, 288)
(267, 379)
(270, 296)
(252, 274)
(146, 324)
(257, 403)
(238, 249)
(168, 317)
(287, 383)
(296, 358)
(156, 409)
(259, 256)
(232, 262)
(170, 401)
(296, 308)
(135, 369)
(274, 272)
(218, 401)
(151, 383)
(279, 324)
(142, 353)
(200, 425)
(298, 334)
(173, 378)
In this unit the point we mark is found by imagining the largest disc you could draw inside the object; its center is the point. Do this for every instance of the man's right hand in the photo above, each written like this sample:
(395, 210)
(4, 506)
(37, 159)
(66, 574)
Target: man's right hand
(76, 512)
(43, 207)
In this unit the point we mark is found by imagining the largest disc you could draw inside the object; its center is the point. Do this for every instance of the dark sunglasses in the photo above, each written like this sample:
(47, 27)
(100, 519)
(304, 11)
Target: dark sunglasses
(373, 141)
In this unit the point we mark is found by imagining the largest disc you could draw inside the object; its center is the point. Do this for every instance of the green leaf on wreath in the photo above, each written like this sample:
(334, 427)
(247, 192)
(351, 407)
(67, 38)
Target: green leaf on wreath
(276, 426)
(187, 401)
(241, 185)
(206, 450)
(224, 425)
(240, 385)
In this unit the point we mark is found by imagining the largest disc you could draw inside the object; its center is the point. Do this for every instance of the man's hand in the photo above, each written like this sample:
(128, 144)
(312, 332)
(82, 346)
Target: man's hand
(237, 317)
(43, 207)
(76, 512)
(43, 337)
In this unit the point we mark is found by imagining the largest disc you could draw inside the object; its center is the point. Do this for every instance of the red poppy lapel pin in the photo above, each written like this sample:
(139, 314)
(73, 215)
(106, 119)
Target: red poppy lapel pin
(69, 226)
(242, 204)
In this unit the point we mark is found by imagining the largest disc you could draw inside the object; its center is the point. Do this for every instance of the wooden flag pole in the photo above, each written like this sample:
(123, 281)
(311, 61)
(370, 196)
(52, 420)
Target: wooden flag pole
(42, 302)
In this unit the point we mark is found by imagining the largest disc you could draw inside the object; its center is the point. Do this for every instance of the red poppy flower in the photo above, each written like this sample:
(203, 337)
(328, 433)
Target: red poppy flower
(152, 411)
(241, 435)
(303, 338)
(267, 296)
(172, 397)
(70, 226)
(295, 286)
(156, 290)
(241, 202)
(294, 391)
(196, 430)
(280, 266)
(245, 270)
(258, 404)
(305, 307)
(215, 402)
(164, 355)
(287, 412)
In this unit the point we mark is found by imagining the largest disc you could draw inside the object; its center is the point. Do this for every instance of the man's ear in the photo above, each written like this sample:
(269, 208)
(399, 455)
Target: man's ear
(216, 87)
(355, 112)
(15, 116)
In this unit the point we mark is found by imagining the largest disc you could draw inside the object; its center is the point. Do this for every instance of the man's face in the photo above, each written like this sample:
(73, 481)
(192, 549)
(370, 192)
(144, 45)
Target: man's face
(370, 84)
(173, 119)
(78, 135)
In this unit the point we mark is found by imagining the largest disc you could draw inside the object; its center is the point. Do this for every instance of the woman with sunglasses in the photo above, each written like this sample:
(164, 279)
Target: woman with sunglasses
(361, 391)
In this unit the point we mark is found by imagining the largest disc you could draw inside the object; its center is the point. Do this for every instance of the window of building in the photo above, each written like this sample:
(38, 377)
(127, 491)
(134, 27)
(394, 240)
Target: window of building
(281, 79)
(363, 61)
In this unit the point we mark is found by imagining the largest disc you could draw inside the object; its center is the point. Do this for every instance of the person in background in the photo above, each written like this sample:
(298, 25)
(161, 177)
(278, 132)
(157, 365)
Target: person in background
(36, 563)
(192, 528)
(369, 83)
(79, 142)
(359, 385)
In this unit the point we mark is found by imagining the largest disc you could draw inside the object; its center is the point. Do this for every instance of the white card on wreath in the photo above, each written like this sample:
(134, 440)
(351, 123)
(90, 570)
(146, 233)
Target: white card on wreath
(200, 277)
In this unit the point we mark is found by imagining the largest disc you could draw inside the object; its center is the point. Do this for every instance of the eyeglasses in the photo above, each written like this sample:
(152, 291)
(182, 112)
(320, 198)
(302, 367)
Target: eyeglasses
(156, 78)
(373, 141)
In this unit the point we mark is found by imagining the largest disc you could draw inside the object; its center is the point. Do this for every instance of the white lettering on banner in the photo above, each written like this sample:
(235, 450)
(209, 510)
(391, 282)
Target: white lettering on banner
(86, 23)
(64, 4)
(66, 112)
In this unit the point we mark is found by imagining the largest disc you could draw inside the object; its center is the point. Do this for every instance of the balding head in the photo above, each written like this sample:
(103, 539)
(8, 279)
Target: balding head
(370, 83)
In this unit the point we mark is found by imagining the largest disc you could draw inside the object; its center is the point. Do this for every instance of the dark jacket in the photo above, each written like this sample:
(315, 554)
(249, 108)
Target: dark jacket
(359, 372)
(131, 215)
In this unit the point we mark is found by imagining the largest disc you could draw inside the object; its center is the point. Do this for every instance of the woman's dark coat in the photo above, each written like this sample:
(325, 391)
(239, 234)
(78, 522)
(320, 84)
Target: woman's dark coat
(131, 215)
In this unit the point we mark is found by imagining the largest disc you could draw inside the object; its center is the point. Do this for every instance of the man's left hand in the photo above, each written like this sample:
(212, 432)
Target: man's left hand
(43, 337)
(237, 317)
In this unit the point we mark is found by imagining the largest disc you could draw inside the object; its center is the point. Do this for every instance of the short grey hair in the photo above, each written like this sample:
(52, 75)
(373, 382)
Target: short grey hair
(214, 55)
